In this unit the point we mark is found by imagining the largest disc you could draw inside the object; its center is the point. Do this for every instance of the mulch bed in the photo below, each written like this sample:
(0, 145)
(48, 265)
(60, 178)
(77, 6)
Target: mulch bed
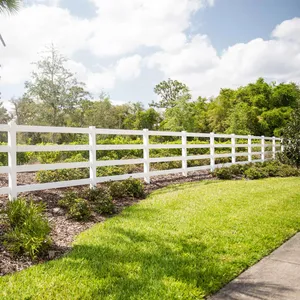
(64, 230)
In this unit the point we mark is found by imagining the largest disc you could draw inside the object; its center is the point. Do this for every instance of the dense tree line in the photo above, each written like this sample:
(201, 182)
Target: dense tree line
(53, 96)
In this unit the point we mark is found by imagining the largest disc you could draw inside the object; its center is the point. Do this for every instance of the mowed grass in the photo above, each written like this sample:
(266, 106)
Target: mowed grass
(182, 242)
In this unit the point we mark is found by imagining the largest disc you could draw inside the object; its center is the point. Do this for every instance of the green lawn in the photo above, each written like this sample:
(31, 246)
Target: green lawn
(182, 242)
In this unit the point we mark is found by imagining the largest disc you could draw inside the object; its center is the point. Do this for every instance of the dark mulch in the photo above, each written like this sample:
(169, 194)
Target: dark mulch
(64, 230)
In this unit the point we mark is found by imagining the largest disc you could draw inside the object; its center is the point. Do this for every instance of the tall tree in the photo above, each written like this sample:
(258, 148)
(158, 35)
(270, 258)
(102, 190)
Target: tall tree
(4, 117)
(55, 87)
(169, 92)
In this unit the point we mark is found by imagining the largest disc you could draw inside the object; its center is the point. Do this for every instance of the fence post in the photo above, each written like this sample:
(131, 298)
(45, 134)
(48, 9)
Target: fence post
(146, 155)
(12, 160)
(233, 160)
(184, 154)
(262, 148)
(273, 147)
(249, 148)
(212, 151)
(282, 146)
(92, 156)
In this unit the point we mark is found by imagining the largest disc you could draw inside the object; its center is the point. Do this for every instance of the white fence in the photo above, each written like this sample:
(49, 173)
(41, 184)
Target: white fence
(12, 149)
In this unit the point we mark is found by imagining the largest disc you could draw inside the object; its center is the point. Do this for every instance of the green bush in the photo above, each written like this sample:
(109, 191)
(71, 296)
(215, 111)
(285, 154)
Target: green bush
(117, 189)
(256, 173)
(127, 188)
(28, 229)
(223, 173)
(78, 208)
(101, 200)
(61, 175)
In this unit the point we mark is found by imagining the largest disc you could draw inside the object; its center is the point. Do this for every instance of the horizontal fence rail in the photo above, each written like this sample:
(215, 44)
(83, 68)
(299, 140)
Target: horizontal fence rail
(255, 145)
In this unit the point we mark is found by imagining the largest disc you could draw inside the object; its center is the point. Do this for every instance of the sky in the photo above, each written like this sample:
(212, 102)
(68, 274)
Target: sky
(127, 47)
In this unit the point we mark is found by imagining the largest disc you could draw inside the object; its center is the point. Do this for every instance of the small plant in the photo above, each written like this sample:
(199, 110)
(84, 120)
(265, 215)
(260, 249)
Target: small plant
(28, 229)
(223, 173)
(101, 200)
(117, 189)
(79, 210)
(134, 188)
(61, 175)
(68, 199)
(256, 173)
(127, 188)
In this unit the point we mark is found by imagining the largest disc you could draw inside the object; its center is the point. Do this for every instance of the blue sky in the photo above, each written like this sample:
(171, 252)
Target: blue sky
(125, 48)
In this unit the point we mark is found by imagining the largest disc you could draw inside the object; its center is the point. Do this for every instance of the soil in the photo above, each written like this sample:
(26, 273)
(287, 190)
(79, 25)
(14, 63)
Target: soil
(64, 230)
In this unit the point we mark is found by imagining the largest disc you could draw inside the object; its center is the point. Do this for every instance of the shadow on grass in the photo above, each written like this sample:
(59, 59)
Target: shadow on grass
(132, 265)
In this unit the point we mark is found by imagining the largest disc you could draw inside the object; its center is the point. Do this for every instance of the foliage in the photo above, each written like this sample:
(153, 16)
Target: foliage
(9, 6)
(78, 208)
(272, 168)
(28, 229)
(170, 91)
(256, 173)
(61, 175)
(291, 139)
(101, 200)
(183, 242)
(127, 188)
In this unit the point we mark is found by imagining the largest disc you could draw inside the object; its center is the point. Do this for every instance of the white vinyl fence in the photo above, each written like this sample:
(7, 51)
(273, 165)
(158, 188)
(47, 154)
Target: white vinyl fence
(12, 148)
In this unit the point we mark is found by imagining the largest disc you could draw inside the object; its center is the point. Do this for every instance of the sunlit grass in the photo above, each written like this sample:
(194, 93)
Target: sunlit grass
(182, 242)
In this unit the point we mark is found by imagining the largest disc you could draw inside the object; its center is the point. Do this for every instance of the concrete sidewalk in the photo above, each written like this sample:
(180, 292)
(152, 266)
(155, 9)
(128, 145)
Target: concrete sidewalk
(276, 276)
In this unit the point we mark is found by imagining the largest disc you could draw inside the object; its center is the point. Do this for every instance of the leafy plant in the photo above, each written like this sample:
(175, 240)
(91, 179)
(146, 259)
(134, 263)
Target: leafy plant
(101, 200)
(77, 207)
(291, 140)
(223, 173)
(28, 228)
(256, 173)
(127, 188)
(79, 210)
(61, 175)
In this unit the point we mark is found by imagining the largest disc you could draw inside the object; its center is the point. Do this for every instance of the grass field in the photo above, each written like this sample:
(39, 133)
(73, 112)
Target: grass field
(182, 242)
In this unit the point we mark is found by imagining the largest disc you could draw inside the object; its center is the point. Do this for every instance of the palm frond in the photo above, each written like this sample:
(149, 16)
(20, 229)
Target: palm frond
(9, 6)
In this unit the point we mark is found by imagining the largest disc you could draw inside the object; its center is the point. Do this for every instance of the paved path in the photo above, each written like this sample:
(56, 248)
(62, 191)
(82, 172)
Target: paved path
(275, 277)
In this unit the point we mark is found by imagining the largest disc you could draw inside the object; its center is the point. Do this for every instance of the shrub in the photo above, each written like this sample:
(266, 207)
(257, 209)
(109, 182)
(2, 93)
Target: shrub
(61, 175)
(127, 188)
(78, 208)
(101, 200)
(135, 188)
(67, 200)
(28, 229)
(291, 139)
(223, 173)
(256, 173)
(117, 189)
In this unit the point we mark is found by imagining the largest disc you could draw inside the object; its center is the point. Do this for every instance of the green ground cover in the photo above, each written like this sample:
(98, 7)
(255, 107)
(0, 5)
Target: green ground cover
(182, 242)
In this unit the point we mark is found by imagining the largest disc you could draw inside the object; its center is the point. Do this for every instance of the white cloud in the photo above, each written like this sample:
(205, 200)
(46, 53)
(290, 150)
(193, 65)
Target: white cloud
(124, 26)
(198, 65)
(288, 30)
(27, 33)
(121, 29)
(129, 68)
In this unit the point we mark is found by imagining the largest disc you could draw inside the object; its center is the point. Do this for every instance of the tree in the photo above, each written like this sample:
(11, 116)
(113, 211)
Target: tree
(9, 5)
(291, 139)
(180, 116)
(4, 117)
(170, 91)
(56, 88)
